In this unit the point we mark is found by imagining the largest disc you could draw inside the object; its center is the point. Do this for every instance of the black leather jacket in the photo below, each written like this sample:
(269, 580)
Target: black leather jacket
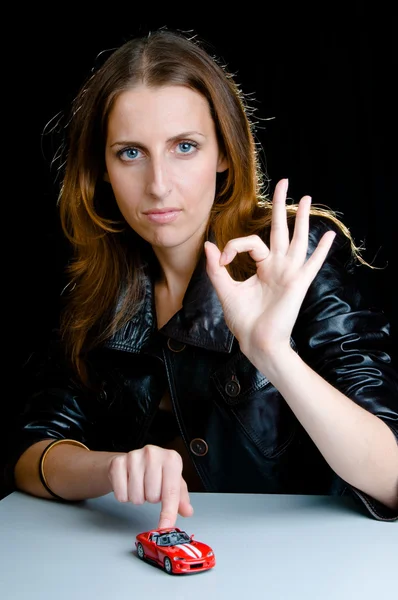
(240, 432)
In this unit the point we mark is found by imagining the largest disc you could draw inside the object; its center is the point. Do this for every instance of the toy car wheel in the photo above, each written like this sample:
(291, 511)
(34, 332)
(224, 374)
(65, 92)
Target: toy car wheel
(168, 566)
(140, 551)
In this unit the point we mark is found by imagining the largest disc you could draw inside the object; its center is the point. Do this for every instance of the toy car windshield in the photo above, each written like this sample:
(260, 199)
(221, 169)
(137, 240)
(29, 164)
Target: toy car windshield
(173, 539)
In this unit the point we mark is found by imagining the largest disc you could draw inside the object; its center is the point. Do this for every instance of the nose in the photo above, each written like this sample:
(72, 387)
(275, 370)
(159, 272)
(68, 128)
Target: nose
(158, 182)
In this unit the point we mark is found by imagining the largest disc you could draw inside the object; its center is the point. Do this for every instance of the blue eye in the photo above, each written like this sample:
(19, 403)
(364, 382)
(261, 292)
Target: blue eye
(128, 154)
(187, 147)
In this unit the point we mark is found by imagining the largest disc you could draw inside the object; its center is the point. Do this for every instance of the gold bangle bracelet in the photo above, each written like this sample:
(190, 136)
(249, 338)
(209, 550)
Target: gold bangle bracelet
(43, 458)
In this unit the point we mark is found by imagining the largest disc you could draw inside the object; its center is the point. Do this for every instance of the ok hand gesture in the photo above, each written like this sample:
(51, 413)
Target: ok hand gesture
(262, 310)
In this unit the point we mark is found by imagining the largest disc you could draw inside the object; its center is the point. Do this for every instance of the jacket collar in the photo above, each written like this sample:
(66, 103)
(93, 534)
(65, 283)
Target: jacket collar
(200, 322)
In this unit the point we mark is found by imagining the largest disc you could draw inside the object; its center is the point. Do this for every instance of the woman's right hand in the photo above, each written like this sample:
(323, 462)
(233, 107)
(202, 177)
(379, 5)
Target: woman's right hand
(152, 474)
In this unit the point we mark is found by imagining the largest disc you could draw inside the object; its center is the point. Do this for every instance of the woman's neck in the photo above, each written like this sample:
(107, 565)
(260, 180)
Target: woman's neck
(176, 266)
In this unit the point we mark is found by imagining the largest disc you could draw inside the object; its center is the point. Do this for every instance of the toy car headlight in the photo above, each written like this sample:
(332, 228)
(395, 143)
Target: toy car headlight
(178, 558)
(210, 553)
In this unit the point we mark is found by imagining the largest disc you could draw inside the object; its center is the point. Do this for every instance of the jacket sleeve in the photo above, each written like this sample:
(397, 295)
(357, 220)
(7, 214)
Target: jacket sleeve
(348, 342)
(54, 405)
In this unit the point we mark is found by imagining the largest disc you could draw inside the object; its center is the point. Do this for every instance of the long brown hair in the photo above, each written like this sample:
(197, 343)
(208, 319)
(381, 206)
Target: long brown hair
(105, 275)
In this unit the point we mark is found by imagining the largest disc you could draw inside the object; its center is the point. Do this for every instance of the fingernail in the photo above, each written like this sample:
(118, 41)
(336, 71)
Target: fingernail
(164, 523)
(223, 258)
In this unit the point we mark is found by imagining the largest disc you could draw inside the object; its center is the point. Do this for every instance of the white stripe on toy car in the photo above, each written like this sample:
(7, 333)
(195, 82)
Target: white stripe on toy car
(187, 550)
(197, 552)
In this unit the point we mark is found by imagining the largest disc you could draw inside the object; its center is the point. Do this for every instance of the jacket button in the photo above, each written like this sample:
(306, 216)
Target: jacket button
(175, 346)
(232, 388)
(199, 447)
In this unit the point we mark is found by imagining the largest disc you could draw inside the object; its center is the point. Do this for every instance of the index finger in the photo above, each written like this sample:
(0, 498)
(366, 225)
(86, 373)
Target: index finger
(171, 491)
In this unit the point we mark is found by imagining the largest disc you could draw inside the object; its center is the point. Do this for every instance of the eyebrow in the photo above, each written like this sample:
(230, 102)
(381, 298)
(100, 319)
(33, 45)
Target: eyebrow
(179, 136)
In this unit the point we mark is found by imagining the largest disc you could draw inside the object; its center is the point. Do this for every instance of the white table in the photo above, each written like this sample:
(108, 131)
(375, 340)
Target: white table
(266, 546)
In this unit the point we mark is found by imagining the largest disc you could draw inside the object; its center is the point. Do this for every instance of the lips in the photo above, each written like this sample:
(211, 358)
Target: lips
(162, 215)
(160, 211)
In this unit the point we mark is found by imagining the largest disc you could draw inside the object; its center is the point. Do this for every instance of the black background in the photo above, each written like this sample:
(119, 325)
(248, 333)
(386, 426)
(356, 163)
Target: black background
(321, 78)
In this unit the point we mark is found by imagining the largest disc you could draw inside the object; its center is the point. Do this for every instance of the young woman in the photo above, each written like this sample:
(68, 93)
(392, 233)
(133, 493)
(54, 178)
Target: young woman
(211, 339)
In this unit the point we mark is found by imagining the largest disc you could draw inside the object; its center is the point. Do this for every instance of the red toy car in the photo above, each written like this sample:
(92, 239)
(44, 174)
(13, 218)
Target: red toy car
(175, 551)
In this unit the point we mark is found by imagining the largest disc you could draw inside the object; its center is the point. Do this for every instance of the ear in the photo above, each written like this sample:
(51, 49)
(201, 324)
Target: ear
(106, 177)
(222, 164)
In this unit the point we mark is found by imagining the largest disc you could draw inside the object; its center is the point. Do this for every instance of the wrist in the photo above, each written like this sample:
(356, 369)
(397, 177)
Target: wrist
(273, 359)
(50, 448)
(279, 366)
(75, 474)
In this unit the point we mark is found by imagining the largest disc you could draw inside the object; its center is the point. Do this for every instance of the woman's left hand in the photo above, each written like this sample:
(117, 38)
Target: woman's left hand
(262, 310)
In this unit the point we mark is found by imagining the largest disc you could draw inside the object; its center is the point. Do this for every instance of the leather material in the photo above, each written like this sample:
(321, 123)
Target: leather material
(255, 443)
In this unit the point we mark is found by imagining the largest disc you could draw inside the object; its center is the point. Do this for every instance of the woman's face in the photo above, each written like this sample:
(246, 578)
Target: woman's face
(162, 158)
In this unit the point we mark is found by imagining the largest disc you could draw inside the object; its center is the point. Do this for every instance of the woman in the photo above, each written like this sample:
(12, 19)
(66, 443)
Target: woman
(211, 339)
